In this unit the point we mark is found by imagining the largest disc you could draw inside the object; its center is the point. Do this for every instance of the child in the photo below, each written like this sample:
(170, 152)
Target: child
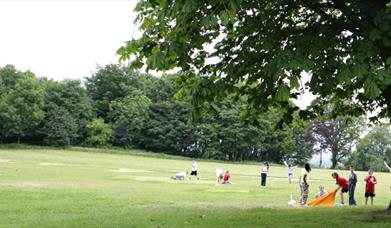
(321, 192)
(194, 170)
(352, 186)
(370, 186)
(227, 178)
(342, 184)
(304, 186)
(219, 175)
(264, 171)
(290, 171)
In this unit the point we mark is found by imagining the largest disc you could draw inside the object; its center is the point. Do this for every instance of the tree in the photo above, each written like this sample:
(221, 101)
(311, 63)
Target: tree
(71, 96)
(21, 102)
(337, 136)
(107, 84)
(373, 149)
(59, 128)
(261, 48)
(99, 134)
(129, 115)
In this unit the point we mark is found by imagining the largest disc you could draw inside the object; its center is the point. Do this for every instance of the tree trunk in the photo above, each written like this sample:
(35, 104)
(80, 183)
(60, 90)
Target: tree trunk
(18, 140)
(320, 158)
(389, 208)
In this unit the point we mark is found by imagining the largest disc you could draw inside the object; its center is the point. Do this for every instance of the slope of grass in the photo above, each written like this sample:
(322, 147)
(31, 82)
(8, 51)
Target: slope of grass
(70, 188)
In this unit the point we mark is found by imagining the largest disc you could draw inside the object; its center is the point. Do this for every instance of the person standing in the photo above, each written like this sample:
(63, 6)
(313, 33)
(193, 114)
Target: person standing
(194, 170)
(304, 186)
(264, 171)
(342, 184)
(370, 186)
(352, 186)
(290, 171)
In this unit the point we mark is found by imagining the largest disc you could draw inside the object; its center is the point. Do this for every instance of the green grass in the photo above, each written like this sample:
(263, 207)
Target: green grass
(41, 187)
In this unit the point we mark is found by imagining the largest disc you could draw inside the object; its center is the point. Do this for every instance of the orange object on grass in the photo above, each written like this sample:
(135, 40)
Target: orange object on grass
(327, 200)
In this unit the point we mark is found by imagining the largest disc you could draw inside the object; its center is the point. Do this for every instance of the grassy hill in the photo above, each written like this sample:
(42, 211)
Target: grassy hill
(44, 187)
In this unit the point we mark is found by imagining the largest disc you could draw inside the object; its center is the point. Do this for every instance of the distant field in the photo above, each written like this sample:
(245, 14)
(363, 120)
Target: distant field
(71, 188)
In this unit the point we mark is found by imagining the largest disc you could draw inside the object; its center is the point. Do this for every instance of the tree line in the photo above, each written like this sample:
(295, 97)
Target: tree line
(123, 108)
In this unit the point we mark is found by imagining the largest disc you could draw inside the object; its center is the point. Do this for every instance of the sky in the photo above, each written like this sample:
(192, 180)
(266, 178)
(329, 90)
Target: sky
(63, 39)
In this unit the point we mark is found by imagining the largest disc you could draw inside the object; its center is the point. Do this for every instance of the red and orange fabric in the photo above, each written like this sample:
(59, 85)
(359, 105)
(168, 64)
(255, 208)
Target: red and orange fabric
(327, 200)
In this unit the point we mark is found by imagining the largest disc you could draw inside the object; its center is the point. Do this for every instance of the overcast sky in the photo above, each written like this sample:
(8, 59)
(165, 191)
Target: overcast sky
(67, 39)
(63, 39)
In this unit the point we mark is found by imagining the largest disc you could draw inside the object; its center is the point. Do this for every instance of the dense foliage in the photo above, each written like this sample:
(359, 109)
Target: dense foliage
(120, 108)
(262, 48)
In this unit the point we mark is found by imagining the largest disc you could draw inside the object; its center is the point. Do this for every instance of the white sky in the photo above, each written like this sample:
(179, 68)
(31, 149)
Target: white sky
(63, 39)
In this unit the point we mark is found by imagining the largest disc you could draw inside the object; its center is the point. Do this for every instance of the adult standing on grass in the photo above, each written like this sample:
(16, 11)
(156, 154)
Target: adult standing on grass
(194, 170)
(264, 171)
(342, 184)
(304, 186)
(370, 186)
(352, 186)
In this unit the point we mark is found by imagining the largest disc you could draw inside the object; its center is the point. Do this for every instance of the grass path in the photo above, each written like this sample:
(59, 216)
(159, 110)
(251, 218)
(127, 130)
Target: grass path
(72, 188)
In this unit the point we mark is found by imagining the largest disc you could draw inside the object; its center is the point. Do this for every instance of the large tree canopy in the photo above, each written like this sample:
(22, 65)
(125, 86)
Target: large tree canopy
(261, 48)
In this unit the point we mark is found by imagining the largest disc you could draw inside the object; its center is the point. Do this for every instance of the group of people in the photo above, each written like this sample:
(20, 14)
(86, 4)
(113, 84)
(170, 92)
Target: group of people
(345, 185)
(223, 179)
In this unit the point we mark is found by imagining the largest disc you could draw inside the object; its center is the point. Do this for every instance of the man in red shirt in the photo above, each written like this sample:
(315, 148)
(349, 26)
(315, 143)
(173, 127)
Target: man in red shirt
(370, 186)
(342, 183)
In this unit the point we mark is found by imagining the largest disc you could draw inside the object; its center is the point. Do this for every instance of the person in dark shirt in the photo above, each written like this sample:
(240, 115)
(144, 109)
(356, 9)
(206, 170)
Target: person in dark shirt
(352, 186)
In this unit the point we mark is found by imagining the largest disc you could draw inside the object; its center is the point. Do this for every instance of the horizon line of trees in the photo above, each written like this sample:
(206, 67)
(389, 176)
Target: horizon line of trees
(122, 108)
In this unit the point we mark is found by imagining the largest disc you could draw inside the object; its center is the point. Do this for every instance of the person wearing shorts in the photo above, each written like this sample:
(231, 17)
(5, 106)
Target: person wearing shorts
(343, 184)
(290, 171)
(370, 182)
(194, 170)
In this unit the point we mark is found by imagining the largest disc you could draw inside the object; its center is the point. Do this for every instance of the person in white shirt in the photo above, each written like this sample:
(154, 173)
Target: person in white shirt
(304, 186)
(290, 171)
(264, 171)
(194, 170)
(180, 176)
(219, 175)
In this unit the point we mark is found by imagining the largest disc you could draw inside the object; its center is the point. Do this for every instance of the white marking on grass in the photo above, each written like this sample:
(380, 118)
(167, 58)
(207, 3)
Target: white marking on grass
(4, 160)
(50, 164)
(220, 190)
(124, 170)
(25, 185)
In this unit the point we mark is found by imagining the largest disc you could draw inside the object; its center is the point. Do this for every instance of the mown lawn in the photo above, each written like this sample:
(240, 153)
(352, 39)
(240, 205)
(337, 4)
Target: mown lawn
(71, 188)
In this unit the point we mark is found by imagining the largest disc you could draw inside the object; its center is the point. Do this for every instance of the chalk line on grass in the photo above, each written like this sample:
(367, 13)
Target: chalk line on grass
(5, 160)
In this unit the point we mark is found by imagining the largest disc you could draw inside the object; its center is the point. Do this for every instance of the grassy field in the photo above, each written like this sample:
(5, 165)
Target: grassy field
(72, 188)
